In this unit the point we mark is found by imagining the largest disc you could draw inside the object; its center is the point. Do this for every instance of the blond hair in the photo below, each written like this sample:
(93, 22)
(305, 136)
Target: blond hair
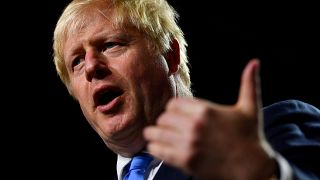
(156, 18)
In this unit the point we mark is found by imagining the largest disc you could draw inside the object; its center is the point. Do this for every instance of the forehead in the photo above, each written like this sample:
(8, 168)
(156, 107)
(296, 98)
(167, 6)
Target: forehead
(98, 26)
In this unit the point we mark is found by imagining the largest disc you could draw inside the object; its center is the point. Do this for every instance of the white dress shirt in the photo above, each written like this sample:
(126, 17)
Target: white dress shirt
(284, 167)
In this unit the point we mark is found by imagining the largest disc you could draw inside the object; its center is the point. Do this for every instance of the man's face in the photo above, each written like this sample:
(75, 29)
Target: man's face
(121, 85)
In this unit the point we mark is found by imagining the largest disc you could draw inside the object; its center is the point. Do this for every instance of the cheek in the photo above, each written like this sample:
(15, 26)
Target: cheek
(149, 70)
(153, 79)
(143, 64)
(80, 90)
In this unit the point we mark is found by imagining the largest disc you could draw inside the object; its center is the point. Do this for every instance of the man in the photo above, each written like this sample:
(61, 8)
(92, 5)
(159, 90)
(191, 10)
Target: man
(125, 62)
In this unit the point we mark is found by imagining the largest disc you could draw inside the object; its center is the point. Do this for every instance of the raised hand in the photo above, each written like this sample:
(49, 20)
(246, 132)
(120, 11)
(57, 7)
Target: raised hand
(210, 140)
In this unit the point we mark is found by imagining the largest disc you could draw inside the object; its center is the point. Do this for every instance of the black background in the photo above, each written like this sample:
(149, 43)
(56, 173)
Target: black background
(45, 133)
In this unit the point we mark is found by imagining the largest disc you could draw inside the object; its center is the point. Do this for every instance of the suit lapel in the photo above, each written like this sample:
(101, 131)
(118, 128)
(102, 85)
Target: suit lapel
(170, 173)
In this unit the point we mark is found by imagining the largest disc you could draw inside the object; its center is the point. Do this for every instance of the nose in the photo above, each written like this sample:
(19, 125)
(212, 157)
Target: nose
(95, 66)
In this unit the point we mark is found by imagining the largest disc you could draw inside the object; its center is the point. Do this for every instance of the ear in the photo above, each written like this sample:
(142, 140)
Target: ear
(173, 57)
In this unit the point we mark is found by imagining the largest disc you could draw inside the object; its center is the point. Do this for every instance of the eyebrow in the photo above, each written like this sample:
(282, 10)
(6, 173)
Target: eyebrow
(99, 37)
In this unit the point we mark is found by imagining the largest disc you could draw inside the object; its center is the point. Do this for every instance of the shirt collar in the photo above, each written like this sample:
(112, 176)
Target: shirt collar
(121, 163)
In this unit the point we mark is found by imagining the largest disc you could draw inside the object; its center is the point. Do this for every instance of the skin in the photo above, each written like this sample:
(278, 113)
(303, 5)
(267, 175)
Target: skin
(98, 57)
(213, 141)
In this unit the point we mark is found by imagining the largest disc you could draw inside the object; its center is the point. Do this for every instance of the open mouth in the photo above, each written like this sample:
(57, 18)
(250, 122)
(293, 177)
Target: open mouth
(106, 95)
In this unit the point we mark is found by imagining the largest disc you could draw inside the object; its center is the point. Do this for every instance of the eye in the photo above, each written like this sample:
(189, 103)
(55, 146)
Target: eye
(110, 45)
(77, 61)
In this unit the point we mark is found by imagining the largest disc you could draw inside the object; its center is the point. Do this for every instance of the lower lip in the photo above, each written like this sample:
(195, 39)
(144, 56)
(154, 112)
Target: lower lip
(111, 106)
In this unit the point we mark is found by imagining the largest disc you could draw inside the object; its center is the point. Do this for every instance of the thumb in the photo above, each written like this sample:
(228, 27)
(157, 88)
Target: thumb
(249, 100)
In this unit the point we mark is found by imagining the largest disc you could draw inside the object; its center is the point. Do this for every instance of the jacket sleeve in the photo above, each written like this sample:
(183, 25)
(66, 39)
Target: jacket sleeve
(292, 128)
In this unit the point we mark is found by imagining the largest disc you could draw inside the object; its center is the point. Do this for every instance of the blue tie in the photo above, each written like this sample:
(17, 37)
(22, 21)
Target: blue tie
(138, 167)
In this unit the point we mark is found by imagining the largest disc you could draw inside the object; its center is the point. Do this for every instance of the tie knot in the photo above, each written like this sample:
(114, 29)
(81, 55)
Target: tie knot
(138, 167)
(140, 161)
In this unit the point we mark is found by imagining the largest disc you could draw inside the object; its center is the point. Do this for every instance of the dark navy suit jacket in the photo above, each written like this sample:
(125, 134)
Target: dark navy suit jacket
(293, 129)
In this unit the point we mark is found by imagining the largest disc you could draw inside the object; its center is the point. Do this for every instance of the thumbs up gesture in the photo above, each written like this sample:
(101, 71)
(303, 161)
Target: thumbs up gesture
(214, 141)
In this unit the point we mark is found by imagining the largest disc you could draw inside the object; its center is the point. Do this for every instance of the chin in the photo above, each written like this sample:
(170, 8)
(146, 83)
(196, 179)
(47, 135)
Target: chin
(126, 148)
